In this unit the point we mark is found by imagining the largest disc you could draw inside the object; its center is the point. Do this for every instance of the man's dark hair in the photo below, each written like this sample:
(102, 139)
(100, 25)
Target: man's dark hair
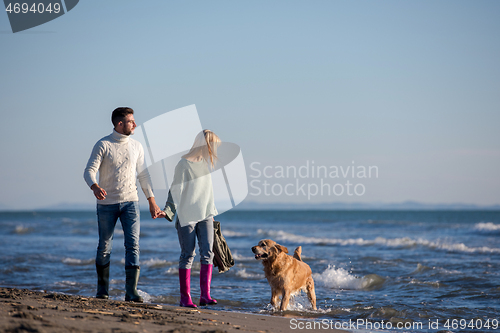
(119, 114)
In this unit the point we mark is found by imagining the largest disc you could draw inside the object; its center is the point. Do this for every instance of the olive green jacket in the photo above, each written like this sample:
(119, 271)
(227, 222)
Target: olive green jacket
(223, 259)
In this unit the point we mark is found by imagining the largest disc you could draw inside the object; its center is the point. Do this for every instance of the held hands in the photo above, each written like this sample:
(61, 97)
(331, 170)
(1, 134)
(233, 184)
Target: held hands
(99, 192)
(154, 209)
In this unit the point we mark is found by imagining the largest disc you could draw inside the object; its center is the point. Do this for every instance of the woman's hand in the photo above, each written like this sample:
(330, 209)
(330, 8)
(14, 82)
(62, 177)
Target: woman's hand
(161, 214)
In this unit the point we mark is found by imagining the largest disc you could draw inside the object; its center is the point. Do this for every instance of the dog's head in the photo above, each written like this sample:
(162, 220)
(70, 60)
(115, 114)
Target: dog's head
(268, 249)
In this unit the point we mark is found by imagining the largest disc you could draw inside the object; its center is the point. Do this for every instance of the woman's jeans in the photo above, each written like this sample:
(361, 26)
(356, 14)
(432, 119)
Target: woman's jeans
(204, 231)
(129, 215)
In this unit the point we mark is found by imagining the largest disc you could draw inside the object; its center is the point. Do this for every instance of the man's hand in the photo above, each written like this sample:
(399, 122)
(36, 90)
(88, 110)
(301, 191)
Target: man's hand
(162, 214)
(154, 209)
(99, 192)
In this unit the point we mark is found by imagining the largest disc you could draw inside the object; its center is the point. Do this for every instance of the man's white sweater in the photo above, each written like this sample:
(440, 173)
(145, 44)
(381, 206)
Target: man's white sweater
(118, 159)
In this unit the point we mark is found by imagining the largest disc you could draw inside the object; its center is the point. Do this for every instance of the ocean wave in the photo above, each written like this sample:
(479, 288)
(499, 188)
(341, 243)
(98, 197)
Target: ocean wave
(284, 236)
(77, 262)
(389, 313)
(339, 278)
(420, 269)
(67, 283)
(172, 271)
(70, 287)
(21, 230)
(230, 233)
(300, 302)
(449, 272)
(145, 296)
(156, 263)
(435, 284)
(239, 257)
(245, 275)
(487, 226)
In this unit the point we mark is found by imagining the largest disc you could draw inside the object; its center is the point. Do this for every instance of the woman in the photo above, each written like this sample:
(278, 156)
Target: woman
(192, 199)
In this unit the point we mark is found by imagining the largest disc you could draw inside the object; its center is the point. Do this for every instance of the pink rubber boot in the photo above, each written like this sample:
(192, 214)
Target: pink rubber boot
(185, 284)
(205, 280)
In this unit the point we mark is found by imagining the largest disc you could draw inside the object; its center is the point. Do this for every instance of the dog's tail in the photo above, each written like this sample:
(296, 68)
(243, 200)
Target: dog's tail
(297, 253)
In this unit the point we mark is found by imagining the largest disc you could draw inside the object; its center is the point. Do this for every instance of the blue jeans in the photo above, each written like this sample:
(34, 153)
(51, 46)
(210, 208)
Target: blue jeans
(204, 231)
(129, 215)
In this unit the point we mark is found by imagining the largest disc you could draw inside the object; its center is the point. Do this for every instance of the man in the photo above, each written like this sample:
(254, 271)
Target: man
(118, 158)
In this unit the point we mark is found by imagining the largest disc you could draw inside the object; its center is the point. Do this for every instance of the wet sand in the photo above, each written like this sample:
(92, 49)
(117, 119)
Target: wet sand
(32, 311)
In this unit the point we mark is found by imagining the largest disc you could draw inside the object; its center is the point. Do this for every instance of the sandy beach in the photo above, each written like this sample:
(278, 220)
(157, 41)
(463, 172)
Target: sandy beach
(32, 311)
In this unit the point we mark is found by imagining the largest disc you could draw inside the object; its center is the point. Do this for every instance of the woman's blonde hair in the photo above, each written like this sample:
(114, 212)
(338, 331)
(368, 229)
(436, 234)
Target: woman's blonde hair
(205, 145)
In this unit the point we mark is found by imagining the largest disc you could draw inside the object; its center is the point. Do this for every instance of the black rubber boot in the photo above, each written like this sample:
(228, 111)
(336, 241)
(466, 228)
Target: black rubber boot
(102, 281)
(132, 277)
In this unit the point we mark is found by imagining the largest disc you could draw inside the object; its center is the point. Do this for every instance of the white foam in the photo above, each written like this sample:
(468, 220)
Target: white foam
(487, 226)
(145, 296)
(20, 230)
(338, 278)
(449, 272)
(420, 269)
(155, 263)
(299, 302)
(435, 284)
(66, 283)
(230, 233)
(172, 271)
(239, 257)
(74, 261)
(283, 236)
(244, 274)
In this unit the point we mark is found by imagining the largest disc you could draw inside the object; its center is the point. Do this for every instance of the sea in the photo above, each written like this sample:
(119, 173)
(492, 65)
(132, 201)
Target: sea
(380, 271)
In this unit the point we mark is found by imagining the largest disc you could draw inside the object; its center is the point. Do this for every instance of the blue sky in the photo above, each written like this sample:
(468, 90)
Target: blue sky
(412, 87)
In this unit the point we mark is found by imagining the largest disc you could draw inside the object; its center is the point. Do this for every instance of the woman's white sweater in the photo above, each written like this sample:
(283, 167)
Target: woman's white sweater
(192, 192)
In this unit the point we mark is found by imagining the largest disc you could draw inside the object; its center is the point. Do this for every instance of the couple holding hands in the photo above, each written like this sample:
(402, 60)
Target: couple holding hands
(119, 160)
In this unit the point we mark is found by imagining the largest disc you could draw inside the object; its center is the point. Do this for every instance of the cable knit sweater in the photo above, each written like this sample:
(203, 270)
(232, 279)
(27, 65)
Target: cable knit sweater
(118, 158)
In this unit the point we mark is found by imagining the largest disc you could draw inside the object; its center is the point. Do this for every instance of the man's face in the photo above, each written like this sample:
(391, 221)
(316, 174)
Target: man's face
(127, 126)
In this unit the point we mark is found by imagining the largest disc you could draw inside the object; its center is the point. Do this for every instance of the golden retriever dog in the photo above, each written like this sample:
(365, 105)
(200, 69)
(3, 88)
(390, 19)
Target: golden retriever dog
(286, 275)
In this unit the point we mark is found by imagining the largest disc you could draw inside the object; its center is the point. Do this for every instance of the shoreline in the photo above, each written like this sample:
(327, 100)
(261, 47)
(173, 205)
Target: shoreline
(23, 310)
